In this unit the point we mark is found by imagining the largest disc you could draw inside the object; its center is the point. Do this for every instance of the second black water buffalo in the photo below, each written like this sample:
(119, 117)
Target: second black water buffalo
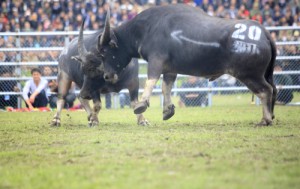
(73, 66)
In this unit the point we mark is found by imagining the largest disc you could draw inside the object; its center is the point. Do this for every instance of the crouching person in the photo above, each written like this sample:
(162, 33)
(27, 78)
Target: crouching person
(194, 98)
(34, 91)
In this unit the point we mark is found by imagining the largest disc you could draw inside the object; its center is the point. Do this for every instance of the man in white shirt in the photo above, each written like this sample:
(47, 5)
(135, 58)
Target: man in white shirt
(34, 91)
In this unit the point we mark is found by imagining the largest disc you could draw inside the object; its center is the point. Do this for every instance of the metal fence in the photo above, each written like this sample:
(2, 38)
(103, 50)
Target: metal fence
(21, 51)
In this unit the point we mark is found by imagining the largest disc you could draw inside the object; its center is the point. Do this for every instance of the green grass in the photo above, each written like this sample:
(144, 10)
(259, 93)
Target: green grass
(217, 147)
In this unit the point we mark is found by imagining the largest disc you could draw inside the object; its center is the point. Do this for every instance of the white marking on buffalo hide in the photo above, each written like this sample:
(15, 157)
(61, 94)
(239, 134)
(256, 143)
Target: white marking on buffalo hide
(64, 52)
(177, 35)
(140, 51)
(243, 47)
(254, 32)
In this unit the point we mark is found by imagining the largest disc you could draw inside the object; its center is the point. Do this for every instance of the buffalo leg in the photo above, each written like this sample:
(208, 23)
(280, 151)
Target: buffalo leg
(85, 104)
(154, 72)
(56, 119)
(141, 107)
(64, 84)
(274, 95)
(141, 120)
(261, 88)
(92, 113)
(96, 109)
(169, 108)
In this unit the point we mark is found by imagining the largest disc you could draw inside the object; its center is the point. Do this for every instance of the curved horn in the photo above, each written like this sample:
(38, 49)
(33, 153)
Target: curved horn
(81, 48)
(105, 37)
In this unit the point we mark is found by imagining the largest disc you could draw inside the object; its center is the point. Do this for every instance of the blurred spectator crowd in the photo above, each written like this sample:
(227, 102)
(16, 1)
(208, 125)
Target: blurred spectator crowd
(60, 15)
(67, 15)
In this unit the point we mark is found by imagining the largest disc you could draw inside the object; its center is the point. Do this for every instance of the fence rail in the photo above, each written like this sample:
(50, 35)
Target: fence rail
(25, 49)
(67, 33)
(140, 76)
(204, 89)
(55, 63)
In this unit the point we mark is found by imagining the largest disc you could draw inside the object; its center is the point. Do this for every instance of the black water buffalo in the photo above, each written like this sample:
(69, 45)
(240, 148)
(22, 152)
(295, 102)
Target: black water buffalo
(182, 39)
(73, 66)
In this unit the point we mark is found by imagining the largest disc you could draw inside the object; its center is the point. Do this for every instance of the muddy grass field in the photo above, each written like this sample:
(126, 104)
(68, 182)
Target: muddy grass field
(217, 147)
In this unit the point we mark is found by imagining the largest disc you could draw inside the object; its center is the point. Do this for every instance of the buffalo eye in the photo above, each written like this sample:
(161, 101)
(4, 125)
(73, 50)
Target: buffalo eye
(113, 44)
(103, 50)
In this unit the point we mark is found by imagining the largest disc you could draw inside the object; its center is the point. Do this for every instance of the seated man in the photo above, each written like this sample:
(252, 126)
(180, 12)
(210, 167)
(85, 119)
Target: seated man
(8, 86)
(34, 91)
(195, 98)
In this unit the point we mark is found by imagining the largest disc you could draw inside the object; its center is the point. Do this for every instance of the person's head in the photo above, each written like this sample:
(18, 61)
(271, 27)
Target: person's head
(6, 72)
(2, 57)
(47, 71)
(36, 74)
(277, 68)
(192, 79)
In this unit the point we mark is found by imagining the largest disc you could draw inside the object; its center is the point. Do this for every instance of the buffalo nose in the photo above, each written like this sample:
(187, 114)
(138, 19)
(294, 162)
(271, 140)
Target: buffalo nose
(106, 76)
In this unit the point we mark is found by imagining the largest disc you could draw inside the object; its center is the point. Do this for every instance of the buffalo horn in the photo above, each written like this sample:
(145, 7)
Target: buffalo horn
(105, 37)
(81, 48)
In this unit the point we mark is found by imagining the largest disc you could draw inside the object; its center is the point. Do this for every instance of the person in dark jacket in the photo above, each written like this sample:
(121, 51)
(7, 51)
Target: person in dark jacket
(194, 98)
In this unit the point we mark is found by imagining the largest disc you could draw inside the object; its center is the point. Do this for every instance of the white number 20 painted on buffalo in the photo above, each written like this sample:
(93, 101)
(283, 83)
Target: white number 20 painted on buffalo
(254, 32)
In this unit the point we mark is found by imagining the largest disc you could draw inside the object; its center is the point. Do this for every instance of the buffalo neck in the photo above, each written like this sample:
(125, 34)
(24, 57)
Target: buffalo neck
(129, 37)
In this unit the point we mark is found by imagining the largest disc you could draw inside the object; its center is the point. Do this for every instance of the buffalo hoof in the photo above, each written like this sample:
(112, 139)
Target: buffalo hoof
(169, 112)
(141, 107)
(55, 122)
(144, 122)
(93, 123)
(264, 123)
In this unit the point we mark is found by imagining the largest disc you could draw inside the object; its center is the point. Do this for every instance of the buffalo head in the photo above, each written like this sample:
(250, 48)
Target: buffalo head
(91, 63)
(114, 55)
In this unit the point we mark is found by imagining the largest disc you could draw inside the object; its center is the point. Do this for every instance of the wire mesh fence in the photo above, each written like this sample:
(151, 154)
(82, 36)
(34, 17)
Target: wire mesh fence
(22, 51)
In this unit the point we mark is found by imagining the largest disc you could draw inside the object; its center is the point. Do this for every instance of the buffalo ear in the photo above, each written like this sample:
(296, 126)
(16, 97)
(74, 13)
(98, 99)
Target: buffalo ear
(101, 68)
(114, 41)
(77, 58)
(113, 44)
